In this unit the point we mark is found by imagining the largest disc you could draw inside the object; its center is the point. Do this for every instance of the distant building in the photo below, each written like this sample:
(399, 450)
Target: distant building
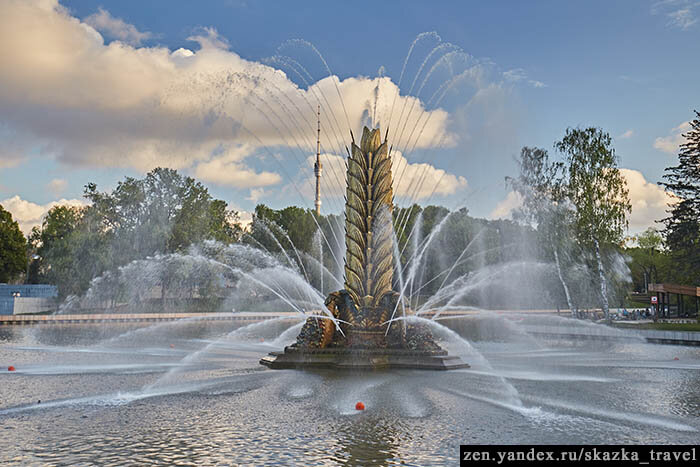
(21, 299)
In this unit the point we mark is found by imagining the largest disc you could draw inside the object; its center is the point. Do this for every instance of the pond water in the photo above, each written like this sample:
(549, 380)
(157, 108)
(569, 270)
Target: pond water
(193, 392)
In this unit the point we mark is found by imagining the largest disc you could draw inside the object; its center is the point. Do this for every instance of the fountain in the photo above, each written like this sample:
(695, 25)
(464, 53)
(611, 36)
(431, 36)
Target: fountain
(194, 391)
(358, 334)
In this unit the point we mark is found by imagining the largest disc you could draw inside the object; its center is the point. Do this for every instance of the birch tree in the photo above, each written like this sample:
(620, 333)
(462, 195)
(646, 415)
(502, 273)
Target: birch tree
(598, 193)
(540, 186)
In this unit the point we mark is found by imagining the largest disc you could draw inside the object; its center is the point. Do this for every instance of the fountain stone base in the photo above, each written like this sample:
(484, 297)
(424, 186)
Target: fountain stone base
(403, 346)
(295, 357)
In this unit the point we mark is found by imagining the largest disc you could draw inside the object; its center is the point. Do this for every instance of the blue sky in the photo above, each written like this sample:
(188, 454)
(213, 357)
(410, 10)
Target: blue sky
(629, 67)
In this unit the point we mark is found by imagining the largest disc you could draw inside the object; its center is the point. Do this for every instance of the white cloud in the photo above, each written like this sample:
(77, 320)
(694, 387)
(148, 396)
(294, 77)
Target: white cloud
(420, 180)
(210, 38)
(412, 181)
(64, 93)
(649, 200)
(246, 218)
(670, 144)
(234, 174)
(504, 209)
(681, 14)
(683, 18)
(225, 167)
(57, 186)
(256, 194)
(517, 75)
(29, 214)
(627, 134)
(116, 28)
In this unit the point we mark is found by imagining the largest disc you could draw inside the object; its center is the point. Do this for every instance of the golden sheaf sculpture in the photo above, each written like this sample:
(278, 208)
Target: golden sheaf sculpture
(369, 265)
(359, 337)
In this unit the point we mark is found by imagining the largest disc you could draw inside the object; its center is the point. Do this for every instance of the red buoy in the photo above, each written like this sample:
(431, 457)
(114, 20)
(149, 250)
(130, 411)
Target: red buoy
(359, 406)
(10, 368)
(676, 358)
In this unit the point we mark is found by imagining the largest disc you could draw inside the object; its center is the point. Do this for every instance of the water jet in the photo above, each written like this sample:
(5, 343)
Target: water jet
(358, 334)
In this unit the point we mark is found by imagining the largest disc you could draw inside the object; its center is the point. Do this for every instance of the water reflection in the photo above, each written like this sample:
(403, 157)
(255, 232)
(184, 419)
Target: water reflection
(222, 407)
(370, 440)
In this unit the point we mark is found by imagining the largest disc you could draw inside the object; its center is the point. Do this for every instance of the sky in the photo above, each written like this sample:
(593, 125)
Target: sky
(227, 92)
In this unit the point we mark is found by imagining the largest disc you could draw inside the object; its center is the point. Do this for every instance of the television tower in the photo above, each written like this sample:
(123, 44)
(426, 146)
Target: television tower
(318, 167)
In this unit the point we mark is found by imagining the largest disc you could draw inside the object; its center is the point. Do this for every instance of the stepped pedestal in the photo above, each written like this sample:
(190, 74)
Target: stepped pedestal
(361, 359)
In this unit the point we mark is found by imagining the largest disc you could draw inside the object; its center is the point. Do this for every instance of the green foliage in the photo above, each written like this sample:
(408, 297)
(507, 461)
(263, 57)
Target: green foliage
(283, 228)
(576, 206)
(650, 263)
(539, 184)
(293, 235)
(13, 251)
(682, 227)
(162, 213)
(404, 223)
(69, 249)
(595, 186)
(542, 189)
(598, 193)
(650, 240)
(433, 215)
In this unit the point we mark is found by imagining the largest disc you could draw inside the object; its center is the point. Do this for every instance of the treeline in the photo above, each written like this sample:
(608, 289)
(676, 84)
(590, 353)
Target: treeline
(564, 247)
(579, 205)
(442, 244)
(682, 226)
(672, 254)
(159, 214)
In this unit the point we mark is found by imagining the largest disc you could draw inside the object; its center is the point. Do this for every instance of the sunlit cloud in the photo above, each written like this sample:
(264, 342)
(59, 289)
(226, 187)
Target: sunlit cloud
(413, 182)
(57, 186)
(627, 134)
(504, 209)
(670, 144)
(89, 103)
(649, 202)
(29, 214)
(116, 28)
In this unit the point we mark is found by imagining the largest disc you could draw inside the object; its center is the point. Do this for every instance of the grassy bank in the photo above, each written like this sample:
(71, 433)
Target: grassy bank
(684, 327)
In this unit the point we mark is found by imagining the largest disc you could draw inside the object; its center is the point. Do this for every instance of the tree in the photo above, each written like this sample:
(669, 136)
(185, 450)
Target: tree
(649, 259)
(291, 228)
(162, 213)
(651, 243)
(224, 224)
(13, 248)
(538, 184)
(65, 251)
(299, 225)
(404, 224)
(597, 191)
(682, 227)
(541, 187)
